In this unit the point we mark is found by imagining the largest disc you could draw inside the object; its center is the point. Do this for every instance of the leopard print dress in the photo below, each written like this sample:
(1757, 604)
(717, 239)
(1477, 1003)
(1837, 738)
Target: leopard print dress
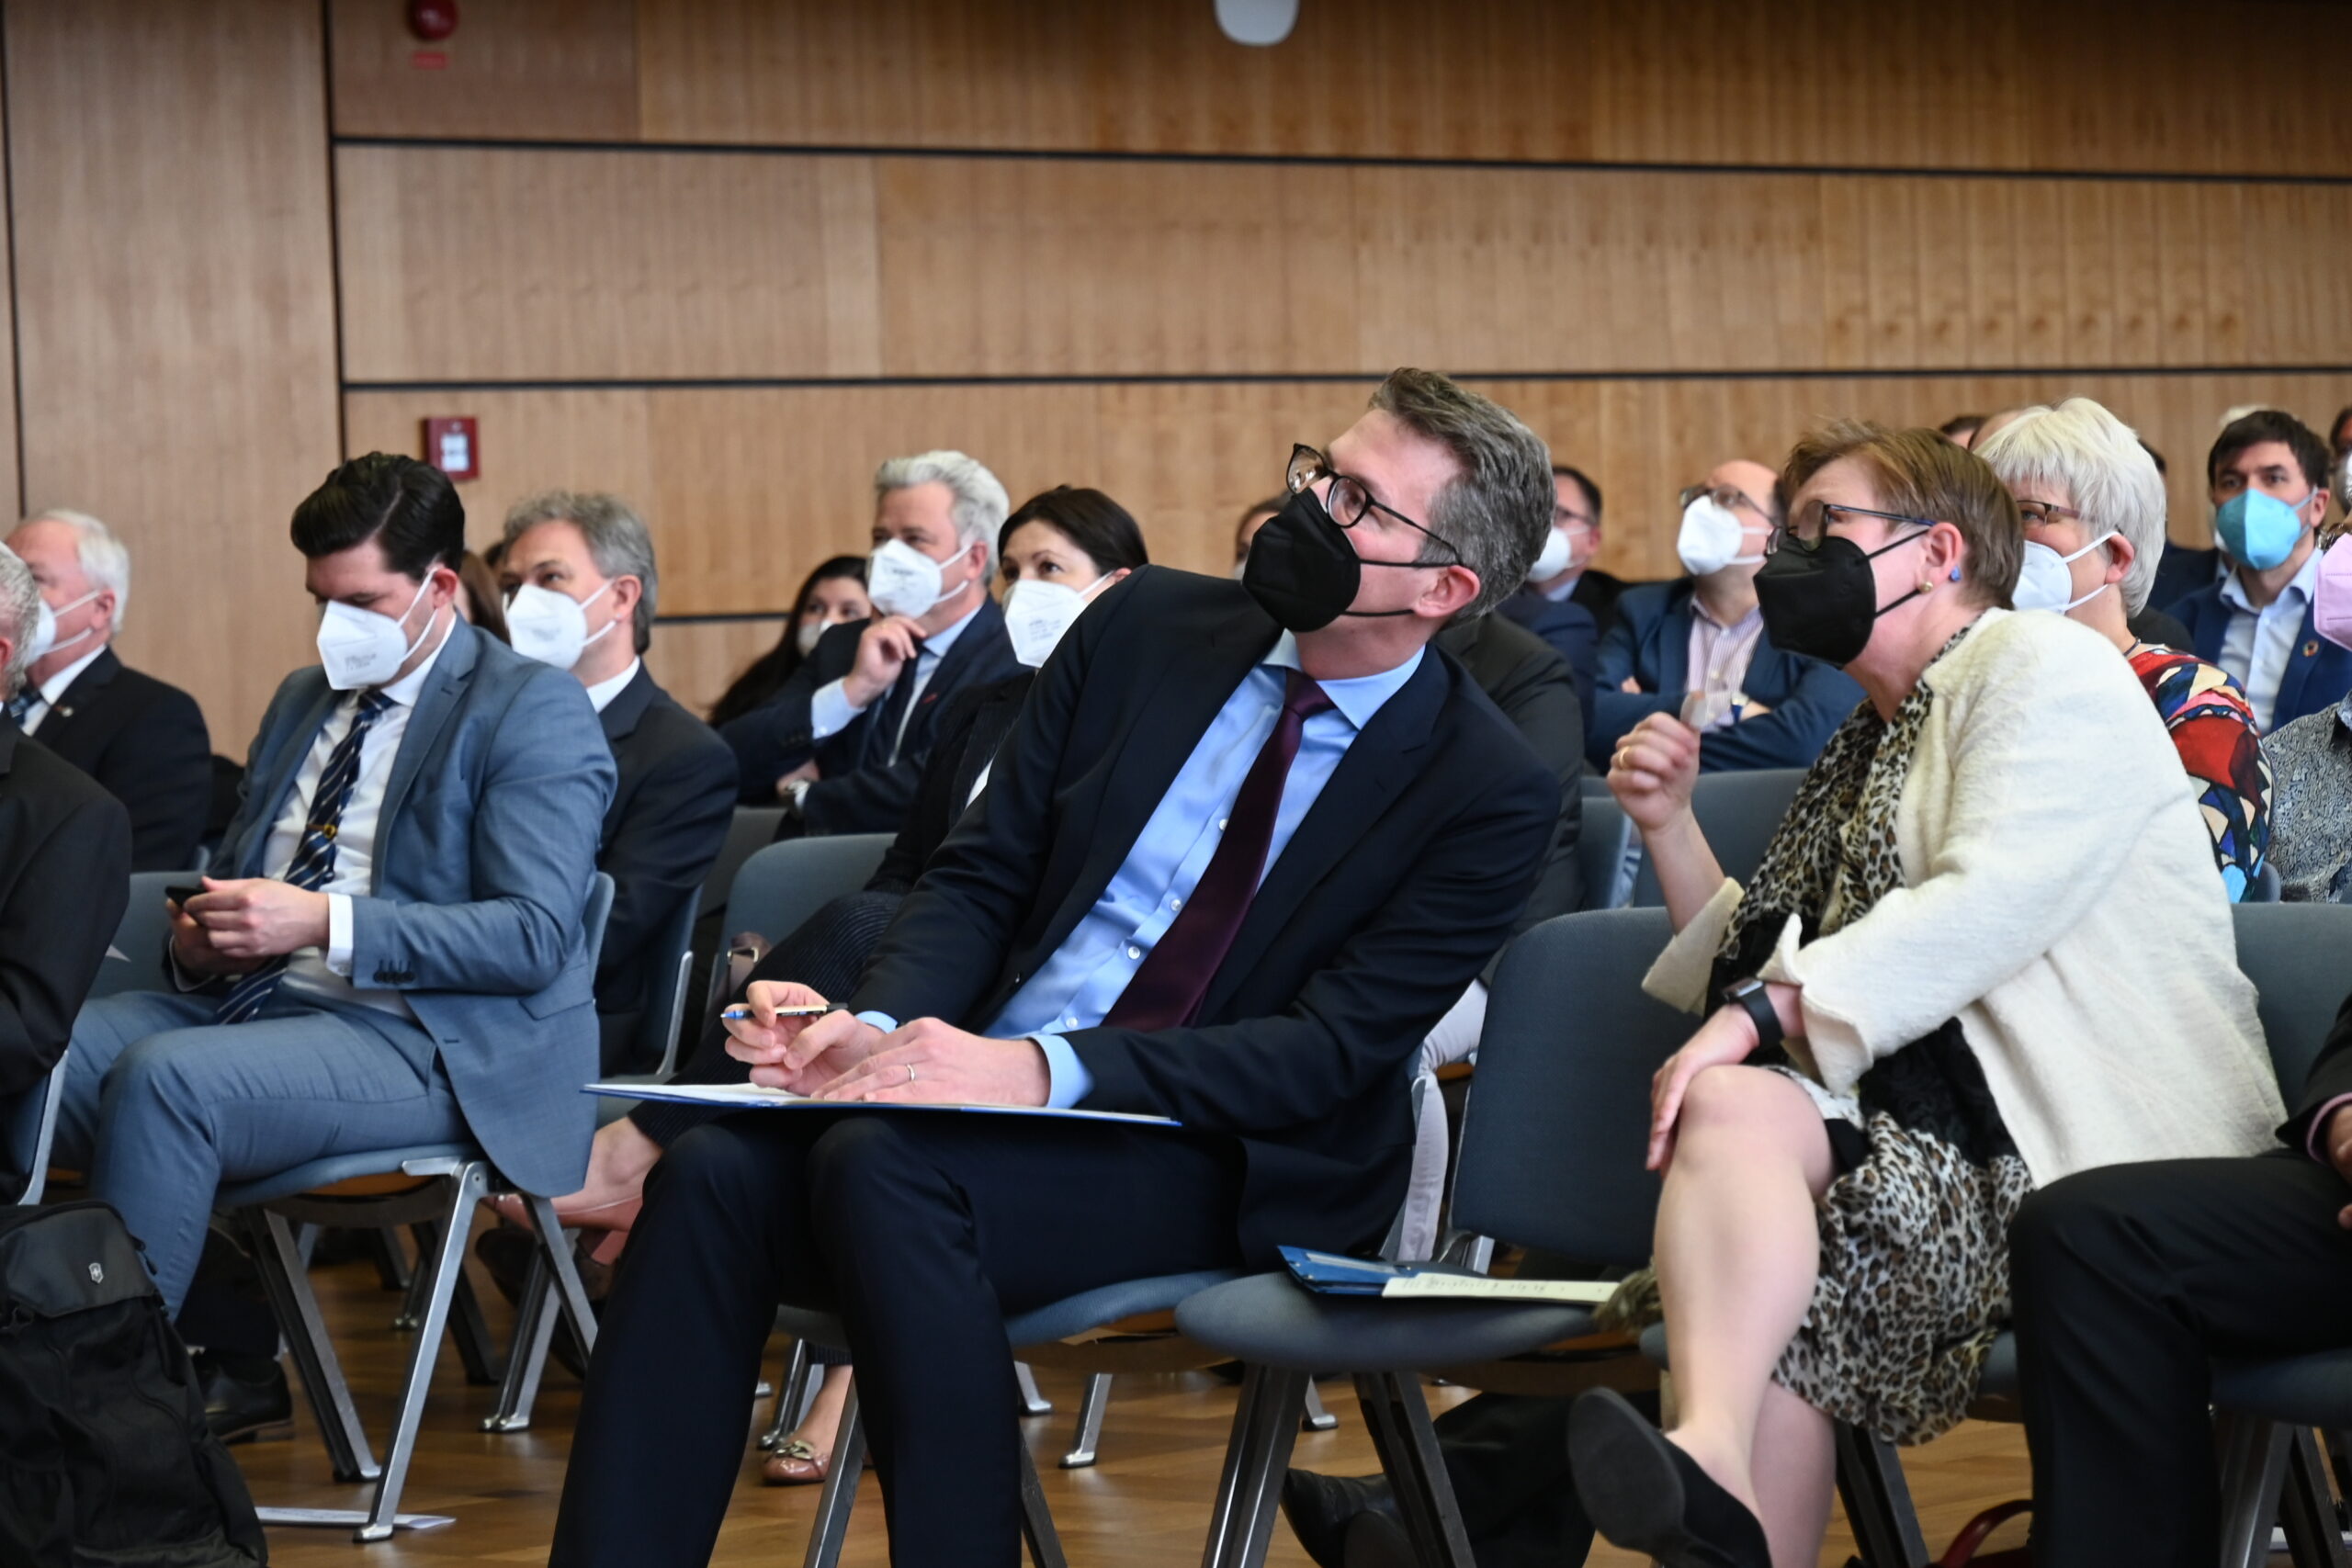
(1914, 1285)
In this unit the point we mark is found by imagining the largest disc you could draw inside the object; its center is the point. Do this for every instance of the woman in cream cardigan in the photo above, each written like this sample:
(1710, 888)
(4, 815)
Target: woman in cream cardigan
(1985, 948)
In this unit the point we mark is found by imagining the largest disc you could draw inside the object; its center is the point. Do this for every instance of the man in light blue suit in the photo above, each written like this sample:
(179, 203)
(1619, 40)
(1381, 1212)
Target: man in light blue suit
(396, 953)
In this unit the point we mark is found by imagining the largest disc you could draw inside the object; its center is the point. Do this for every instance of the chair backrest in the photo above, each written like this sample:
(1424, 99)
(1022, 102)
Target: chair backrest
(785, 884)
(28, 1128)
(1554, 1134)
(2300, 958)
(1739, 813)
(751, 829)
(2265, 888)
(654, 1028)
(595, 915)
(135, 961)
(1601, 847)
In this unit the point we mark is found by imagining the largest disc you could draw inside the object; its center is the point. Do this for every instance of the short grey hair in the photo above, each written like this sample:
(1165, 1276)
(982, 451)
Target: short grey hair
(980, 503)
(618, 541)
(19, 613)
(103, 558)
(1496, 513)
(2107, 476)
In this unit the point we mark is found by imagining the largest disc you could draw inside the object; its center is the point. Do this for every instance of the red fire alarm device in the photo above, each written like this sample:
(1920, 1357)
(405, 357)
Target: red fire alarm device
(454, 447)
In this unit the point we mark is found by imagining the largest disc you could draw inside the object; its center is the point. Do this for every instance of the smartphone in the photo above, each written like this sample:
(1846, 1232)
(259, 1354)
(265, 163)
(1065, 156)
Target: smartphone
(819, 1009)
(182, 894)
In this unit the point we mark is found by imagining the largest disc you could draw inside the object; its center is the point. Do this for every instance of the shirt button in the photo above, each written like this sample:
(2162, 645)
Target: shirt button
(1175, 903)
(1134, 952)
(1070, 1023)
(1220, 824)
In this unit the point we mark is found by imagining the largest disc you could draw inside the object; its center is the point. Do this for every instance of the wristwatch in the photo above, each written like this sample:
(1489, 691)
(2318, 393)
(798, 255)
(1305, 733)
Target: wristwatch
(793, 794)
(1751, 997)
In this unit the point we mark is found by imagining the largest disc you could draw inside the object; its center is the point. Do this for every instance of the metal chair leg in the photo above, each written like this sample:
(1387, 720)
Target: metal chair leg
(1398, 1418)
(1038, 1530)
(476, 1350)
(792, 1401)
(2254, 1467)
(1878, 1502)
(2314, 1539)
(1031, 1402)
(1091, 1408)
(1265, 1428)
(383, 1244)
(830, 1527)
(412, 1311)
(527, 1357)
(287, 1284)
(1316, 1418)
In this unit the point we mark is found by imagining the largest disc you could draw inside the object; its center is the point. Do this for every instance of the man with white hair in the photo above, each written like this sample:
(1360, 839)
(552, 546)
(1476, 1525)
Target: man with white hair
(842, 746)
(65, 875)
(143, 740)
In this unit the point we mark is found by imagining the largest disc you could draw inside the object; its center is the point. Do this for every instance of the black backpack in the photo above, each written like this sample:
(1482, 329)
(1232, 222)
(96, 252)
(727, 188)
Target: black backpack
(105, 1457)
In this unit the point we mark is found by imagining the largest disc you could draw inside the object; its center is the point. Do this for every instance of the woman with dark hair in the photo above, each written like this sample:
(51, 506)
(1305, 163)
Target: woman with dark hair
(480, 600)
(1059, 550)
(832, 595)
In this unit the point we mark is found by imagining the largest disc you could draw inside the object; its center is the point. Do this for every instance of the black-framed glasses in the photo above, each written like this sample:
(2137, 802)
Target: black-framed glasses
(2041, 514)
(1730, 498)
(1349, 499)
(1829, 512)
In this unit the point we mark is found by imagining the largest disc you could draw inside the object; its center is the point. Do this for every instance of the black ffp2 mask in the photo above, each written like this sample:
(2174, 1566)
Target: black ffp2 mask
(1301, 569)
(1821, 601)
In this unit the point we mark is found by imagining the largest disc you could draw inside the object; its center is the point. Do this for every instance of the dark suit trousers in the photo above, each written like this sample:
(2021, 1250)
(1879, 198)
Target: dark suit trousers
(2127, 1280)
(925, 1231)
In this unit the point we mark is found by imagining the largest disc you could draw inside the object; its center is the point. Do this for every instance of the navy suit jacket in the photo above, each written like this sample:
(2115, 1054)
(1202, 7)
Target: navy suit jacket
(2318, 672)
(1567, 628)
(1651, 642)
(145, 742)
(1396, 888)
(2182, 571)
(485, 846)
(860, 789)
(64, 877)
(666, 825)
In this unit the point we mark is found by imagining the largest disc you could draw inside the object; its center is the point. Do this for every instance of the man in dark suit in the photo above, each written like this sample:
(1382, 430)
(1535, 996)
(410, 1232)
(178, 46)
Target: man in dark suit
(395, 952)
(1563, 572)
(145, 742)
(1095, 933)
(64, 870)
(2130, 1279)
(843, 744)
(2269, 477)
(1702, 637)
(586, 587)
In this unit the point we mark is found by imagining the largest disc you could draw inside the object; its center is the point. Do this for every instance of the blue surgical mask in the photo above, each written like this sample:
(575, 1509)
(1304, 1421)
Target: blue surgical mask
(2258, 529)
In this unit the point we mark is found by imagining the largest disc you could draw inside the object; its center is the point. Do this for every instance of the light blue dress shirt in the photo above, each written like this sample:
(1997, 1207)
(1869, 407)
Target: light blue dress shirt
(828, 707)
(2258, 643)
(1076, 987)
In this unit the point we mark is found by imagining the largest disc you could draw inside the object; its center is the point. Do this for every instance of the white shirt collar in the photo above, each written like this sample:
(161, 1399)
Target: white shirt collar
(603, 692)
(2305, 582)
(54, 687)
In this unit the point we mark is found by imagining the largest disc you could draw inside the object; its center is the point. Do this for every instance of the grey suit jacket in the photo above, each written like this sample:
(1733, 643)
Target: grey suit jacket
(484, 849)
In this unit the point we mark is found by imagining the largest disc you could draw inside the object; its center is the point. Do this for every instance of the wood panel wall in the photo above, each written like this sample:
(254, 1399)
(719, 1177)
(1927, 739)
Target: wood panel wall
(175, 311)
(2169, 85)
(747, 488)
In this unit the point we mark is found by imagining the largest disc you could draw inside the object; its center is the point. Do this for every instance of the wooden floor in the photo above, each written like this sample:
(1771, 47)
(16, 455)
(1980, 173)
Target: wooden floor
(1144, 1505)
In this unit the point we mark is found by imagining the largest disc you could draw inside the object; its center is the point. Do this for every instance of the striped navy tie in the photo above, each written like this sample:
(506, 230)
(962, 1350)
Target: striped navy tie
(314, 863)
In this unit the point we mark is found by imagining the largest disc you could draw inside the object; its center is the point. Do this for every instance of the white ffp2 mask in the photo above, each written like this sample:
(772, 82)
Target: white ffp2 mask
(45, 628)
(2043, 581)
(902, 581)
(1037, 614)
(552, 627)
(1711, 537)
(366, 648)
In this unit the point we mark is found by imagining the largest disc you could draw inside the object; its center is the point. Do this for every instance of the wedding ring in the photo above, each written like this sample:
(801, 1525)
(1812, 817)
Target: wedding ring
(910, 1072)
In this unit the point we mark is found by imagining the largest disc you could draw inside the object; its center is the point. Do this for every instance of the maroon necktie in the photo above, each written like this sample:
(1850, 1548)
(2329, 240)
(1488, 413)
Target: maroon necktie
(1169, 986)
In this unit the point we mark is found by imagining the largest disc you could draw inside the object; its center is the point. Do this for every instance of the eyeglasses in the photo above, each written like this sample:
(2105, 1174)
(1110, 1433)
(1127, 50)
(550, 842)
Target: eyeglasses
(2041, 514)
(1825, 512)
(1347, 500)
(1564, 518)
(1725, 496)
